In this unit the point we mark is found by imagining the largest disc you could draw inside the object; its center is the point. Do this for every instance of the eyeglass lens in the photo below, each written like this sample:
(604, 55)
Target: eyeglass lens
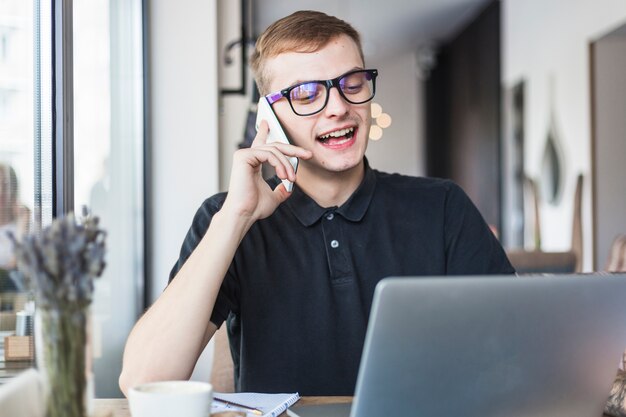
(308, 98)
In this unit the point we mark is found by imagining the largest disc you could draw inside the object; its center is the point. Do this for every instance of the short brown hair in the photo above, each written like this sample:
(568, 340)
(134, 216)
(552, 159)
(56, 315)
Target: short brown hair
(302, 31)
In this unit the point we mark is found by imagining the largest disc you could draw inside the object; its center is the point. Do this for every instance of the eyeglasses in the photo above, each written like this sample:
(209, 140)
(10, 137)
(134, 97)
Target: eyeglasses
(310, 97)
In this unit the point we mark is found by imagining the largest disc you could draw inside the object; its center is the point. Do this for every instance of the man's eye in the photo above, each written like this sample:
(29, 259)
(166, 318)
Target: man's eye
(303, 97)
(352, 88)
(305, 94)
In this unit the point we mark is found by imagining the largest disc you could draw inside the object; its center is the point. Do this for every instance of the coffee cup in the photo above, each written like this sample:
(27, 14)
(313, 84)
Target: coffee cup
(171, 398)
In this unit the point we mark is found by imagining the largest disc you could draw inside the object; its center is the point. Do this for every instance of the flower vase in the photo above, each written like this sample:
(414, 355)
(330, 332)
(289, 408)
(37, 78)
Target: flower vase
(63, 360)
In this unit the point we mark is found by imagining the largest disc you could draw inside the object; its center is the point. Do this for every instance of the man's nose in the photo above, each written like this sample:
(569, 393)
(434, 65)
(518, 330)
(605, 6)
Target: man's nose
(336, 106)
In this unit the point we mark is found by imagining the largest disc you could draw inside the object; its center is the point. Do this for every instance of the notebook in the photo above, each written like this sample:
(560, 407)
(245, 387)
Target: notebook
(271, 405)
(489, 346)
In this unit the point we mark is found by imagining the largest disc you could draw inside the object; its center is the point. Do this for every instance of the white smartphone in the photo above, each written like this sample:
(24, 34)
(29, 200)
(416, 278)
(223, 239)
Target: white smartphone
(276, 133)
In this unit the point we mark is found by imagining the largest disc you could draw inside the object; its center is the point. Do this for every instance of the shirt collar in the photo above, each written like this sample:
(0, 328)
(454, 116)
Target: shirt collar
(308, 212)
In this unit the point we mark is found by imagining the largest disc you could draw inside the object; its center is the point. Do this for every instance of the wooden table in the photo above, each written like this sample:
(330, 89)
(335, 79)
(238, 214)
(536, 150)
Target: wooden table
(118, 407)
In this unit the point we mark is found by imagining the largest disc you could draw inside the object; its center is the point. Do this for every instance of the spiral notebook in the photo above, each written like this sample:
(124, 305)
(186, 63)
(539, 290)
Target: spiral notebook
(270, 405)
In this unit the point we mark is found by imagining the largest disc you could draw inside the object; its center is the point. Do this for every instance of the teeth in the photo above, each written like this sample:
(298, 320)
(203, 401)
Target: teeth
(337, 133)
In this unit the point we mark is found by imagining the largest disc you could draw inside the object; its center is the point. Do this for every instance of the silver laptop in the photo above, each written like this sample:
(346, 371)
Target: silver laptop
(489, 346)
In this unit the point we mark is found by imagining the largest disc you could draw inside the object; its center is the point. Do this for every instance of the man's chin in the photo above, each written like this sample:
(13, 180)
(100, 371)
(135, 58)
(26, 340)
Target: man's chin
(338, 164)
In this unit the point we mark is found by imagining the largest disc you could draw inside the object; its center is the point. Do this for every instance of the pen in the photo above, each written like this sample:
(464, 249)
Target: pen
(249, 409)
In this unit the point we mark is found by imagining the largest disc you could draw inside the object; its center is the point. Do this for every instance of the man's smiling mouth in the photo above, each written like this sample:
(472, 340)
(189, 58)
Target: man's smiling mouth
(337, 137)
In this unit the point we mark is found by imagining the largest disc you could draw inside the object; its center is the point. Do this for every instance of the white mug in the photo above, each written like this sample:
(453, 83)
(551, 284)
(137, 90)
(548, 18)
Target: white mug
(171, 399)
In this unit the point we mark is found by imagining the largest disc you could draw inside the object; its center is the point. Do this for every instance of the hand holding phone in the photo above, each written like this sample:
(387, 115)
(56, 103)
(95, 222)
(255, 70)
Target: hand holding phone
(276, 133)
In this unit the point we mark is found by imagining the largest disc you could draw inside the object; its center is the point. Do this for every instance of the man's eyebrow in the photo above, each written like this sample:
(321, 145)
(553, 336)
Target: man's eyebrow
(300, 81)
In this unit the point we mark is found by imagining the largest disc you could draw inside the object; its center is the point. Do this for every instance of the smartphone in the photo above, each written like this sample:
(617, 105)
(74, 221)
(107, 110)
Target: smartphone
(276, 133)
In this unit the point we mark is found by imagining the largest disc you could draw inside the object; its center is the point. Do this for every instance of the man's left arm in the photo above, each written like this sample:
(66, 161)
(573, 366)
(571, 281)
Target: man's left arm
(471, 247)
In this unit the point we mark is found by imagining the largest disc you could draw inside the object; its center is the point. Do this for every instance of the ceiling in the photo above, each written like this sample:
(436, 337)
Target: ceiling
(387, 27)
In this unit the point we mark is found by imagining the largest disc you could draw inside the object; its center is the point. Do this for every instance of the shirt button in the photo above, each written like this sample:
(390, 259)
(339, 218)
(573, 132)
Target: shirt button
(334, 244)
(330, 216)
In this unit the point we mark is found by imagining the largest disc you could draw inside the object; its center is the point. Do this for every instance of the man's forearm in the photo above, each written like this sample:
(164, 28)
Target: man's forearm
(166, 342)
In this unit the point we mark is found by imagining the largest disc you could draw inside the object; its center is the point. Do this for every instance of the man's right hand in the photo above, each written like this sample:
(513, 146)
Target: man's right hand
(177, 327)
(249, 196)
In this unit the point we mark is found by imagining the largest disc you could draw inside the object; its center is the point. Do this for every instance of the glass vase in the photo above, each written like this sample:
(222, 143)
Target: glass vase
(62, 359)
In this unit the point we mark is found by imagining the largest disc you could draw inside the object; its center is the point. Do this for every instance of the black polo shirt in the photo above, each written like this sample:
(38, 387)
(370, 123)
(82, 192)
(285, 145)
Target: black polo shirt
(300, 287)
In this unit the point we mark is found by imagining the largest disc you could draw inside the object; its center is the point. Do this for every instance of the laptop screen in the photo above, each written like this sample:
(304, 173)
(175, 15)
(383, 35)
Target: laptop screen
(492, 345)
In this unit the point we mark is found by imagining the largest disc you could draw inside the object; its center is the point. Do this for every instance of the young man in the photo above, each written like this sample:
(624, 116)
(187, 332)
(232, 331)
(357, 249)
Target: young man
(294, 273)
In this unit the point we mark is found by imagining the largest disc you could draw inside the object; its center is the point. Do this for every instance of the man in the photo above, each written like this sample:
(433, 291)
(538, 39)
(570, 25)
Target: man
(294, 273)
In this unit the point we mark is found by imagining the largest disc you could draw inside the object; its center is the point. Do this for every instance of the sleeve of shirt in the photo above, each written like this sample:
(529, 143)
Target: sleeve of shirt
(471, 247)
(227, 298)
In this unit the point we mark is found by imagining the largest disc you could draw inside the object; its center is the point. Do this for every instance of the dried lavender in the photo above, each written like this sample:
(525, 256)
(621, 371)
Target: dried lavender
(60, 263)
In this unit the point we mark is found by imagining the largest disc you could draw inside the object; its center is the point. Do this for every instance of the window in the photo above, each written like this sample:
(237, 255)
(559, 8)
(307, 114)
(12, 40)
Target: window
(25, 150)
(108, 166)
(102, 151)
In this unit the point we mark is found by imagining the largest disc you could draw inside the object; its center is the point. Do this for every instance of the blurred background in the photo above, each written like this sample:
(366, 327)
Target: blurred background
(134, 108)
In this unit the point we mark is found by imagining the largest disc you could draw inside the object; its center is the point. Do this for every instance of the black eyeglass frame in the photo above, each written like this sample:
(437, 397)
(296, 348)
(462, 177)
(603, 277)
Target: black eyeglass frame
(285, 92)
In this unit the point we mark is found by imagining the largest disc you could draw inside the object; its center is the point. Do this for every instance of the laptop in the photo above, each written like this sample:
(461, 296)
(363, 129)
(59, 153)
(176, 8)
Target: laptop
(489, 346)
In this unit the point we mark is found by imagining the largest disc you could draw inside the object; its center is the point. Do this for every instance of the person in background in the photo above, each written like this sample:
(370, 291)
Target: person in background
(14, 216)
(14, 220)
(292, 274)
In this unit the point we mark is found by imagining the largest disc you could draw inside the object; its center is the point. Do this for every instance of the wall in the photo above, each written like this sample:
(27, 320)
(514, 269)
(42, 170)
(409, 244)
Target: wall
(399, 92)
(463, 112)
(551, 39)
(610, 142)
(183, 140)
(233, 108)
